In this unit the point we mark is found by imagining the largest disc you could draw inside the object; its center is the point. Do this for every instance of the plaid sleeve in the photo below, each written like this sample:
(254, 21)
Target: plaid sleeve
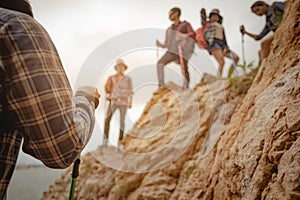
(55, 125)
(210, 33)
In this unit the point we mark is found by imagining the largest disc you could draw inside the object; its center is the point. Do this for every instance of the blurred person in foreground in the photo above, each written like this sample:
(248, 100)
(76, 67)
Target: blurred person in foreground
(36, 101)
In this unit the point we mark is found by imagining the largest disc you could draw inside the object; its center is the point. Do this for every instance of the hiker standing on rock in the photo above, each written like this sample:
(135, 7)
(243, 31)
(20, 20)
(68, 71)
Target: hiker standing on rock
(119, 94)
(38, 110)
(180, 44)
(214, 36)
(273, 15)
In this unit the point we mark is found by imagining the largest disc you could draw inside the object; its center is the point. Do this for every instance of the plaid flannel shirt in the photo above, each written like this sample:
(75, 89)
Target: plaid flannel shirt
(36, 100)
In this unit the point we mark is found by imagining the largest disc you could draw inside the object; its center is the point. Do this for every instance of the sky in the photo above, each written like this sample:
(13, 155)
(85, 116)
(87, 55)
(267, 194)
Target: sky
(91, 34)
(78, 27)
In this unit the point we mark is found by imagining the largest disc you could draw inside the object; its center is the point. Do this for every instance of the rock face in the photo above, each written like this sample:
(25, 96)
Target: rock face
(220, 140)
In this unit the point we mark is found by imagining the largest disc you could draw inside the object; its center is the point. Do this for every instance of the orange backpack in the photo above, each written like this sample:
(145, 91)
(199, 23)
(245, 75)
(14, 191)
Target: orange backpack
(200, 36)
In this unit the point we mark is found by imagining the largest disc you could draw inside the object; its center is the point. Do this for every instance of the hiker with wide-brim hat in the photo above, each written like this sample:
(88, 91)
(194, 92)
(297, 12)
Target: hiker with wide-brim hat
(273, 15)
(216, 40)
(119, 94)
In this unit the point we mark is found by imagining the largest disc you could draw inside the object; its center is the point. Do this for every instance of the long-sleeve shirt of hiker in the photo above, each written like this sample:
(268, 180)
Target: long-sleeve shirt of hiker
(187, 44)
(273, 19)
(36, 101)
(119, 90)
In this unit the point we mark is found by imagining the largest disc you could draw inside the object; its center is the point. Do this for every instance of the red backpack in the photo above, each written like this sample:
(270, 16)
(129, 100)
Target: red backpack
(200, 36)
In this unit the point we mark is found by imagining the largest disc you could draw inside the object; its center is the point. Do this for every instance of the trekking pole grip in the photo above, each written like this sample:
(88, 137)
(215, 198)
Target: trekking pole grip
(75, 171)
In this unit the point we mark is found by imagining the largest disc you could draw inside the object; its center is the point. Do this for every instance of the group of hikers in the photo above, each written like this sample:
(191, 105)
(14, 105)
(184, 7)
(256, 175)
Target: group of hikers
(40, 113)
(180, 40)
(180, 37)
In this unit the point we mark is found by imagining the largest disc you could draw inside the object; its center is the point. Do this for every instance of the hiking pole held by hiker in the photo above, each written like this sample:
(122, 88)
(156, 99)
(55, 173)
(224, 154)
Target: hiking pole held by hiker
(242, 29)
(75, 174)
(233, 62)
(93, 96)
(157, 53)
(182, 66)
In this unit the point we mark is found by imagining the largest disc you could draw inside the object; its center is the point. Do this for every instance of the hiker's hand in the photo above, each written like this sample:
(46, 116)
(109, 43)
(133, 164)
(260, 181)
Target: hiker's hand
(91, 93)
(180, 36)
(129, 105)
(159, 44)
(242, 29)
(108, 97)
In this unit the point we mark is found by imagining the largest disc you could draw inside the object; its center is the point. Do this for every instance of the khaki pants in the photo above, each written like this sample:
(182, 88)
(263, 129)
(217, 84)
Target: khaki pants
(167, 58)
(110, 111)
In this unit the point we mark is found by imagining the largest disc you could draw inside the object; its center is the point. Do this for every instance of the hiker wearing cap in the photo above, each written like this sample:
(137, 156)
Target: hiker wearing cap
(119, 94)
(273, 15)
(180, 44)
(38, 111)
(215, 38)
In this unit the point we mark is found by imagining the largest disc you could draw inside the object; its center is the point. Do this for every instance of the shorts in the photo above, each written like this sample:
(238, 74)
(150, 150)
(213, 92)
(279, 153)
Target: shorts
(217, 44)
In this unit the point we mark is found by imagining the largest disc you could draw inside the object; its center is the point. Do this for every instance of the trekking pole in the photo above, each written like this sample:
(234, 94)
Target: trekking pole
(243, 49)
(75, 174)
(233, 62)
(105, 140)
(182, 66)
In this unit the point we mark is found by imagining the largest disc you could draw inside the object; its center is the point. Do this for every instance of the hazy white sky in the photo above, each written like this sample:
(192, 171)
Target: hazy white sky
(78, 27)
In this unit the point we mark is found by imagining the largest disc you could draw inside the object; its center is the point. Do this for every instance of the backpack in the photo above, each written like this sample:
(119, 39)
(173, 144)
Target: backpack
(187, 44)
(200, 36)
(276, 18)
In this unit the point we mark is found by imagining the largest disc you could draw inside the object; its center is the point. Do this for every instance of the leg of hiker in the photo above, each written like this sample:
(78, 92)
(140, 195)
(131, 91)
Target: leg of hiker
(186, 70)
(110, 111)
(218, 54)
(235, 59)
(123, 110)
(265, 47)
(260, 55)
(167, 58)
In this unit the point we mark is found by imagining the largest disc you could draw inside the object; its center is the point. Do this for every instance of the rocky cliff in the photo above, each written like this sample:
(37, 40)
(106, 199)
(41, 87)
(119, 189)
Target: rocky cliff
(219, 140)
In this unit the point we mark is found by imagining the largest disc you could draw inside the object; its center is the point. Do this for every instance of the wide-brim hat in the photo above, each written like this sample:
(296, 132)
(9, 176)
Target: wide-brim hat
(120, 63)
(215, 12)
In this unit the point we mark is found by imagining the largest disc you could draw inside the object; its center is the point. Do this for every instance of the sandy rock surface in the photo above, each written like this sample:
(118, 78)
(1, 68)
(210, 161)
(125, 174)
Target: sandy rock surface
(219, 140)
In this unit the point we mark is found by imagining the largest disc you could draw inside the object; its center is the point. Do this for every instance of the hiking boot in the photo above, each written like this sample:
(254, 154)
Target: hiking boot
(105, 141)
(120, 146)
